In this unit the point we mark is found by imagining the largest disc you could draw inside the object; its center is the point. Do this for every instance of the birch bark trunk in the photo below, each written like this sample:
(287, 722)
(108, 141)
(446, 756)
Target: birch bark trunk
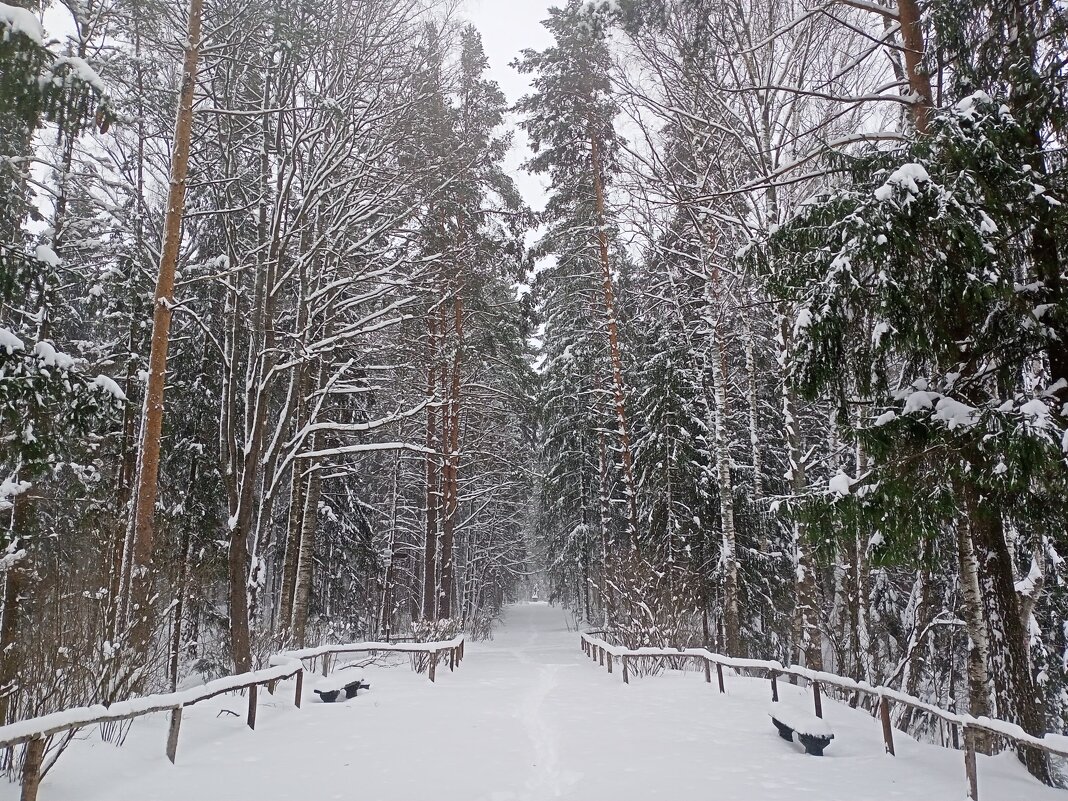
(979, 683)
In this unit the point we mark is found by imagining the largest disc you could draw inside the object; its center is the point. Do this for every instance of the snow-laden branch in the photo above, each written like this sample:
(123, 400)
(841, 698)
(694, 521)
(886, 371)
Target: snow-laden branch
(366, 447)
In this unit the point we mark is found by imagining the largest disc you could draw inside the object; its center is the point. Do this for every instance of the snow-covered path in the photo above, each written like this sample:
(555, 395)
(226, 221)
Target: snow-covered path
(526, 716)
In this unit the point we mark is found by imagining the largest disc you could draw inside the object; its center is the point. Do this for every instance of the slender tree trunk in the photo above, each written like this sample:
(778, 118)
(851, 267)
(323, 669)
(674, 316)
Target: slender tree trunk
(144, 503)
(585, 573)
(808, 638)
(862, 572)
(753, 397)
(619, 392)
(921, 618)
(16, 584)
(386, 609)
(611, 579)
(183, 589)
(587, 539)
(979, 704)
(296, 513)
(715, 311)
(433, 492)
(120, 545)
(451, 478)
(309, 524)
(729, 541)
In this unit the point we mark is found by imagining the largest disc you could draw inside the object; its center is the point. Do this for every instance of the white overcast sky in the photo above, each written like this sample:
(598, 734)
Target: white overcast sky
(508, 26)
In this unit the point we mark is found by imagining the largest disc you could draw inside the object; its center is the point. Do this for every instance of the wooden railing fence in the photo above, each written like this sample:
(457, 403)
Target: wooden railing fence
(607, 655)
(34, 733)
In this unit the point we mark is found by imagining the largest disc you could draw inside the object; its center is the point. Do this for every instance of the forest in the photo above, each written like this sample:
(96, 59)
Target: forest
(778, 366)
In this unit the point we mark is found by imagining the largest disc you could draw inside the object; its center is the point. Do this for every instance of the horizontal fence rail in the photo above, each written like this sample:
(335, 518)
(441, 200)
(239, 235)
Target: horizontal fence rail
(34, 732)
(1054, 744)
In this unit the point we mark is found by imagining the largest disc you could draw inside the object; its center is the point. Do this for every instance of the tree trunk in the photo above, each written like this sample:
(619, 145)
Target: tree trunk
(121, 546)
(15, 585)
(451, 477)
(386, 605)
(610, 579)
(979, 704)
(753, 397)
(913, 45)
(144, 499)
(619, 392)
(921, 615)
(808, 638)
(309, 524)
(179, 601)
(296, 515)
(908, 16)
(1016, 692)
(433, 494)
(729, 544)
(863, 654)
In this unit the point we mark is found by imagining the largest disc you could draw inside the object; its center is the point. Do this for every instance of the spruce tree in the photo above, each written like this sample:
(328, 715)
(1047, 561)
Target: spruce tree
(919, 290)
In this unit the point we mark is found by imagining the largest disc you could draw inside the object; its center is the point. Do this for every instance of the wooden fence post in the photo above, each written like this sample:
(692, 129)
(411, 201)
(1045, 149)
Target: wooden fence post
(610, 663)
(774, 687)
(172, 733)
(888, 729)
(31, 768)
(433, 664)
(326, 665)
(462, 648)
(601, 650)
(300, 687)
(708, 671)
(719, 676)
(969, 765)
(816, 699)
(452, 659)
(626, 676)
(252, 707)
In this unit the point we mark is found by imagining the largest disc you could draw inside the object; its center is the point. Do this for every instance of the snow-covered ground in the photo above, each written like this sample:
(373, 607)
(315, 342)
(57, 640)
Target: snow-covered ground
(526, 716)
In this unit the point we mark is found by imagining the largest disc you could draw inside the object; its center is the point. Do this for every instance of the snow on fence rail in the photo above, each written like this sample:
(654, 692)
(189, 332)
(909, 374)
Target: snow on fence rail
(1053, 744)
(34, 732)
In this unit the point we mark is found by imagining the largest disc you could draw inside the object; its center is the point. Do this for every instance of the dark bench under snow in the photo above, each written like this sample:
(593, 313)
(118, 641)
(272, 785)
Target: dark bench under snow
(330, 691)
(814, 733)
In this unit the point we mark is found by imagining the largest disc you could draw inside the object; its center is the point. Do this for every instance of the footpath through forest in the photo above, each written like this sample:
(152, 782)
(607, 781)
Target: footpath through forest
(527, 716)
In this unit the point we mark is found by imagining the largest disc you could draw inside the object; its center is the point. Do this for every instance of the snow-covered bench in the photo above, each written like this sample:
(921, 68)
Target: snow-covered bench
(329, 690)
(814, 733)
